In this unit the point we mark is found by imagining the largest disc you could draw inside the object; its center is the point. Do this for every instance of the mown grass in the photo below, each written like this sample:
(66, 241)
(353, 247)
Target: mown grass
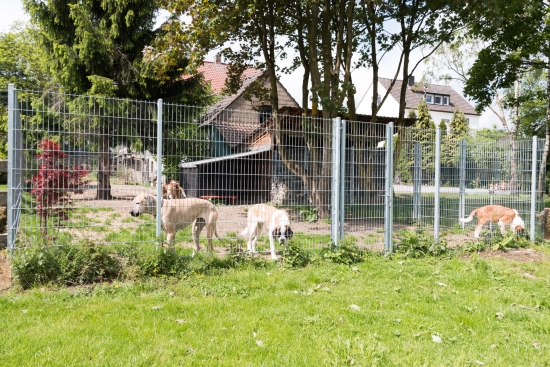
(483, 312)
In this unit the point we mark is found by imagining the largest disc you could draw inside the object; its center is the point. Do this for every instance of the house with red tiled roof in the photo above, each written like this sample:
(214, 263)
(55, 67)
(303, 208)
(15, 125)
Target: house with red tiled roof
(441, 100)
(236, 118)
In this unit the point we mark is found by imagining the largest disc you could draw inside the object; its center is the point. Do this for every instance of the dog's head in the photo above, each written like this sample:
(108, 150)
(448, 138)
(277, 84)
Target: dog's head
(282, 235)
(143, 203)
(518, 226)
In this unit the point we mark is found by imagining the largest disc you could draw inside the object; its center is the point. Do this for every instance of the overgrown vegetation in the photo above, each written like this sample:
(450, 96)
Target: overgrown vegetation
(419, 243)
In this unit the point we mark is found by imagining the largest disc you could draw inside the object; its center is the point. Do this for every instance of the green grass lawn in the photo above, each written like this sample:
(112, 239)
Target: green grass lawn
(3, 187)
(428, 312)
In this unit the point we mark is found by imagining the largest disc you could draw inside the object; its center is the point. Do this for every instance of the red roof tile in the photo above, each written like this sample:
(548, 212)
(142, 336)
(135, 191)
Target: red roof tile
(216, 74)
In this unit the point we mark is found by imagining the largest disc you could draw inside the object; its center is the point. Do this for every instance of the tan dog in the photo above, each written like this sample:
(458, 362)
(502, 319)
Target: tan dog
(278, 224)
(172, 190)
(499, 214)
(179, 213)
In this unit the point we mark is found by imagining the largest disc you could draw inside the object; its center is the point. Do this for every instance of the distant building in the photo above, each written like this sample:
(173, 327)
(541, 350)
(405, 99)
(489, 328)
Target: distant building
(441, 100)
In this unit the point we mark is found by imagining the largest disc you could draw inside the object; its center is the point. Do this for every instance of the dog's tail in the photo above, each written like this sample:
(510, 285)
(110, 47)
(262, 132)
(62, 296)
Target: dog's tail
(470, 218)
(182, 192)
(244, 233)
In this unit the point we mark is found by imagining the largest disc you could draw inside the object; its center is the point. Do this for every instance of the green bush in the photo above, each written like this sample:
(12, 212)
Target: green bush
(86, 264)
(419, 243)
(346, 253)
(294, 256)
(34, 266)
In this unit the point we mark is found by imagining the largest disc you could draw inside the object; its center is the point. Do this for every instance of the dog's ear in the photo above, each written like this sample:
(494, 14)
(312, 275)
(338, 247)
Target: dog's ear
(288, 232)
(276, 232)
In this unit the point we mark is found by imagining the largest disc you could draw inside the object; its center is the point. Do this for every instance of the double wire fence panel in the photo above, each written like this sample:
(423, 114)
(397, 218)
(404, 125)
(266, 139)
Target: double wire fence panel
(80, 166)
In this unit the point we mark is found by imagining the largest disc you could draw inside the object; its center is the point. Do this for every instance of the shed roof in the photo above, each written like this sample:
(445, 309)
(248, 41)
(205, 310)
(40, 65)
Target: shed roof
(225, 158)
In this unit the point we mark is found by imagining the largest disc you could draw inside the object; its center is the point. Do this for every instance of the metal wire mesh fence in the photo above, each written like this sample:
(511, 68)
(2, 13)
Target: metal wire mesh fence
(115, 171)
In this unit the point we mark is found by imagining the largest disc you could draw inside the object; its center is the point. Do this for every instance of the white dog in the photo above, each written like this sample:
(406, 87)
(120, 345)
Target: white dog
(177, 214)
(278, 224)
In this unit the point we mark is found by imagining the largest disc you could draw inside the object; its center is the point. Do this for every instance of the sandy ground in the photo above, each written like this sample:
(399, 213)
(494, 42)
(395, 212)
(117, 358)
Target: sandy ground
(4, 270)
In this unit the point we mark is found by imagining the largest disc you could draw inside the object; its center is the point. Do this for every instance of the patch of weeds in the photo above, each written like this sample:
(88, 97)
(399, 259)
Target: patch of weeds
(294, 256)
(108, 221)
(217, 202)
(33, 266)
(99, 228)
(473, 246)
(456, 229)
(115, 215)
(346, 253)
(310, 215)
(371, 239)
(511, 242)
(67, 265)
(419, 243)
(129, 220)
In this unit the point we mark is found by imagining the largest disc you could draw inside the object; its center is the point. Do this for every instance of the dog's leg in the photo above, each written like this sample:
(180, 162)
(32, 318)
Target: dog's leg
(477, 232)
(502, 228)
(272, 244)
(255, 234)
(198, 225)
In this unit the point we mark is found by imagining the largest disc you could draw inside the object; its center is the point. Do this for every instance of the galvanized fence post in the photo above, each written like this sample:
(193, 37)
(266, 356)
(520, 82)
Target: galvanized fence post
(417, 183)
(159, 167)
(335, 187)
(462, 181)
(15, 182)
(352, 175)
(437, 180)
(388, 206)
(533, 188)
(342, 177)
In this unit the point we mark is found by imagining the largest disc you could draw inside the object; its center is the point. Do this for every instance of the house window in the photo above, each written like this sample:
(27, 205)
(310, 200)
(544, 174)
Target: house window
(437, 99)
(265, 113)
(378, 100)
(445, 100)
(429, 98)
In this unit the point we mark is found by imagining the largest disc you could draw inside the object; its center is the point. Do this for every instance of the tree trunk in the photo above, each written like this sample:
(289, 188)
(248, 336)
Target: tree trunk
(547, 138)
(513, 138)
(103, 171)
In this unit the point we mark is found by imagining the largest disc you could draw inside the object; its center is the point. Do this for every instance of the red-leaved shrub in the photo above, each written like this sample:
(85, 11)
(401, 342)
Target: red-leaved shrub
(54, 183)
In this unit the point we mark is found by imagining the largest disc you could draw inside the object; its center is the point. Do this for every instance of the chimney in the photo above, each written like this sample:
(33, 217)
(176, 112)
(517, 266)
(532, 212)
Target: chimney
(411, 80)
(218, 58)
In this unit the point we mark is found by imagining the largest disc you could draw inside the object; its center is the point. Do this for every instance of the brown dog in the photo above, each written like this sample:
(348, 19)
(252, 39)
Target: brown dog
(499, 214)
(172, 190)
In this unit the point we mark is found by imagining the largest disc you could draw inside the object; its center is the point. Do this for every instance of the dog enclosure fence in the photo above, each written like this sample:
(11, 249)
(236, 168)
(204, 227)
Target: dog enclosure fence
(77, 162)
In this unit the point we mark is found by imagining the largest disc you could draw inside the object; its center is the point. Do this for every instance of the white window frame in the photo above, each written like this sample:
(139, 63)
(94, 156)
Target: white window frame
(429, 98)
(446, 100)
(440, 99)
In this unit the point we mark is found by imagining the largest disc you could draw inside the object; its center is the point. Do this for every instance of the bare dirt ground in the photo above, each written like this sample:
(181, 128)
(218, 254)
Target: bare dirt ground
(4, 270)
(520, 255)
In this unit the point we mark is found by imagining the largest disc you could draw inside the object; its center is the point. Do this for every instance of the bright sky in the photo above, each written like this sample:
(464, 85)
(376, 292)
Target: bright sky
(12, 10)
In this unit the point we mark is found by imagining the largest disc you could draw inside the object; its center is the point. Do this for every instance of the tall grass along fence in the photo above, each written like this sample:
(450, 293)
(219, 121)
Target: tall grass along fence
(77, 162)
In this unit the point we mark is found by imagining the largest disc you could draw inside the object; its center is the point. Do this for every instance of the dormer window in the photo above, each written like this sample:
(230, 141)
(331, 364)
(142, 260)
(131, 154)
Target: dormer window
(437, 99)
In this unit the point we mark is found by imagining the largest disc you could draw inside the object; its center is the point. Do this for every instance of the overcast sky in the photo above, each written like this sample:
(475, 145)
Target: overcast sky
(12, 10)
